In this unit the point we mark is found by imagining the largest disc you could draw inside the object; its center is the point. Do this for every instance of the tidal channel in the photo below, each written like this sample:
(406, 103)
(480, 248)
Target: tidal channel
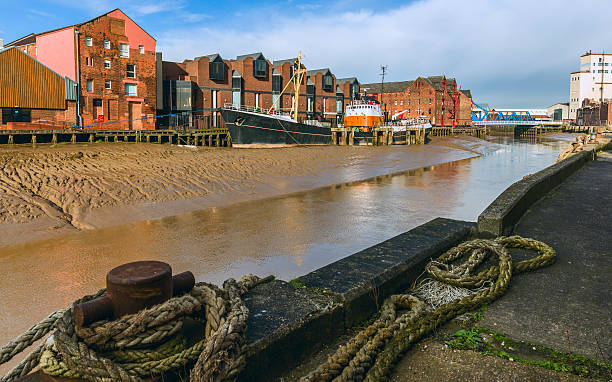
(286, 236)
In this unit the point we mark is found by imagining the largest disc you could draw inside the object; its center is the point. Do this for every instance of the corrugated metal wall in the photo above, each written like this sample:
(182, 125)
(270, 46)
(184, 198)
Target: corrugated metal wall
(26, 83)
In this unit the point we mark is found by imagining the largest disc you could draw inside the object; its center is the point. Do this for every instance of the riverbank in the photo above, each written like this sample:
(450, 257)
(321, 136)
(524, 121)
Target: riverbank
(51, 190)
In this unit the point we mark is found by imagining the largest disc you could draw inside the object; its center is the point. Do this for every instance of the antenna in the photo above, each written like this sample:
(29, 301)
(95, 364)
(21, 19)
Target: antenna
(383, 70)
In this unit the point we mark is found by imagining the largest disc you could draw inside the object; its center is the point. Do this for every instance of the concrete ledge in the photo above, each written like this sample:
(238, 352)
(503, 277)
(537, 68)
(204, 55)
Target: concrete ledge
(289, 322)
(500, 217)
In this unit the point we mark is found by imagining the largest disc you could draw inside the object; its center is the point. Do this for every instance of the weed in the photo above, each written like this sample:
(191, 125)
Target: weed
(298, 284)
(466, 339)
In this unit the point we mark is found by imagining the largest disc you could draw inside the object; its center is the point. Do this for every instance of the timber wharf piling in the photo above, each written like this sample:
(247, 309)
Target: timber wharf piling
(207, 138)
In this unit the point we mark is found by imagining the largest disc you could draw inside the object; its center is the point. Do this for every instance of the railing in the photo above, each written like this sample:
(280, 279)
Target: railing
(514, 123)
(252, 109)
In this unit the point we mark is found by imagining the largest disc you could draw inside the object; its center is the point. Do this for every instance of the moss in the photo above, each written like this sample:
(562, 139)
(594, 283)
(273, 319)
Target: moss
(497, 344)
(298, 284)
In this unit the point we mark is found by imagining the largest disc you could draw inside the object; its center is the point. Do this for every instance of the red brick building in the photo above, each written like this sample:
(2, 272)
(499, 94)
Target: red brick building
(435, 97)
(113, 61)
(593, 113)
(201, 85)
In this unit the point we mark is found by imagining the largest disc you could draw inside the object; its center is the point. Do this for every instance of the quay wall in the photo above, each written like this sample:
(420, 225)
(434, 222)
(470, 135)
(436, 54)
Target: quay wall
(500, 217)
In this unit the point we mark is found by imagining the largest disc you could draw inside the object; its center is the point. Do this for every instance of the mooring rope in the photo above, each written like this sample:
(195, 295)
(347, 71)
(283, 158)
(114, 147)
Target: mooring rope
(404, 319)
(112, 350)
(115, 350)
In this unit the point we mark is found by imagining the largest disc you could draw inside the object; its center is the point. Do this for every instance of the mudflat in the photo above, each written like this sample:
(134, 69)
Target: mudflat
(48, 190)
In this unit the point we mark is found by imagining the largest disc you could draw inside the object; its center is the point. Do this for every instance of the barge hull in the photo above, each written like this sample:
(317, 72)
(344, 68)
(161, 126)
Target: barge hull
(248, 128)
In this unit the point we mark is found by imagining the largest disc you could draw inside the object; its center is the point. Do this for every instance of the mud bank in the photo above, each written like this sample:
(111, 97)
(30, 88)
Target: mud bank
(50, 190)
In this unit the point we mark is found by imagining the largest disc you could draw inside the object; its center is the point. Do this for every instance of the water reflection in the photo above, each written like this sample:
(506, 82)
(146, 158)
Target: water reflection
(286, 236)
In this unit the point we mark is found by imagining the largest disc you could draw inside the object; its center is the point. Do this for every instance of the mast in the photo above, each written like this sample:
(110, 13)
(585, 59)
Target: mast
(296, 78)
(383, 69)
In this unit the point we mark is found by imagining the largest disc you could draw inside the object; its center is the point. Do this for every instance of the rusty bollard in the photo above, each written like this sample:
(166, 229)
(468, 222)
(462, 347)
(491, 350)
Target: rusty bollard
(132, 287)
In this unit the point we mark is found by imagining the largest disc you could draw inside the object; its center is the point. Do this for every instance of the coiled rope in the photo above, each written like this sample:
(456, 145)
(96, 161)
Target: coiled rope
(404, 319)
(113, 350)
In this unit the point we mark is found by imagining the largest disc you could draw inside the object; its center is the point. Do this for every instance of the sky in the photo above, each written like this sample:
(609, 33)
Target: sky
(513, 53)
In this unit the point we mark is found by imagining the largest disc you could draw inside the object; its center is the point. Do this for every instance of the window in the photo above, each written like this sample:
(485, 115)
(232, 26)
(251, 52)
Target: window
(260, 68)
(88, 41)
(106, 44)
(124, 50)
(130, 71)
(89, 61)
(89, 86)
(310, 102)
(276, 83)
(328, 82)
(339, 105)
(107, 85)
(216, 71)
(141, 49)
(130, 89)
(395, 103)
(324, 105)
(107, 64)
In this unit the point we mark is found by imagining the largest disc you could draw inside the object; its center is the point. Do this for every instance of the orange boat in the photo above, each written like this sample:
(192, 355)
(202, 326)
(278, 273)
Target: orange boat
(363, 114)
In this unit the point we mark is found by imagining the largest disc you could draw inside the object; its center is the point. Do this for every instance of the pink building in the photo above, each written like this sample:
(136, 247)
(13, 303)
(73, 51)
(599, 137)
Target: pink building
(113, 61)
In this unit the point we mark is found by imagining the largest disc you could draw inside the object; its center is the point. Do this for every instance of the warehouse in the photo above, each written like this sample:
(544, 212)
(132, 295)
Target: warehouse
(32, 96)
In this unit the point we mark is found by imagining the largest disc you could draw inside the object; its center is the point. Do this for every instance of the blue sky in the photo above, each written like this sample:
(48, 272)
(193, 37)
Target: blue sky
(509, 53)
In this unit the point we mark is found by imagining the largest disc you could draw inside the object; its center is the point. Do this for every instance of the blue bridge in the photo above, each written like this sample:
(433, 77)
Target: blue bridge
(514, 117)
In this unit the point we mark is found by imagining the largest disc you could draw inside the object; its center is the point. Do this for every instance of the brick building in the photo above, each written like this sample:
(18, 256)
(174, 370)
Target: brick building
(424, 97)
(113, 61)
(593, 113)
(32, 96)
(200, 86)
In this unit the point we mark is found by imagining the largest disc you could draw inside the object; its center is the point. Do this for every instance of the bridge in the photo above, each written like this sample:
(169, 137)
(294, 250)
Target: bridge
(484, 117)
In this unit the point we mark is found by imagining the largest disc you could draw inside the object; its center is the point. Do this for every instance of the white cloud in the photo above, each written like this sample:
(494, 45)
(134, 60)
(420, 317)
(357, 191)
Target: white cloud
(148, 7)
(507, 52)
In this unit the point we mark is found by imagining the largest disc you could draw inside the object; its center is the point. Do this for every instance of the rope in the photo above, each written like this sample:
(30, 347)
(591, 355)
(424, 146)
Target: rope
(405, 319)
(112, 350)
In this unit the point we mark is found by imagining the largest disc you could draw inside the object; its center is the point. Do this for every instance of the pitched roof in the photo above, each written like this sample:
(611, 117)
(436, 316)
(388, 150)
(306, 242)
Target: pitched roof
(33, 35)
(391, 87)
(211, 57)
(437, 81)
(281, 62)
(347, 79)
(28, 39)
(467, 93)
(315, 71)
(254, 56)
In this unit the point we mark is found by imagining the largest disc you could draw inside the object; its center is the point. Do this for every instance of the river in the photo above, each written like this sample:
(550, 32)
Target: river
(286, 236)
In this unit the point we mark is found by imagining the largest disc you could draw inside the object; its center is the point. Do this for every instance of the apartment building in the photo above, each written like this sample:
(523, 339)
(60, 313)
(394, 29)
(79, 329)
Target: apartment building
(200, 86)
(436, 97)
(112, 60)
(593, 81)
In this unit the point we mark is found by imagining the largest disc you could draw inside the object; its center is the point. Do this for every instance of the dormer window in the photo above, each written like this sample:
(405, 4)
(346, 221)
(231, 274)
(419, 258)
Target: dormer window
(216, 70)
(328, 82)
(260, 68)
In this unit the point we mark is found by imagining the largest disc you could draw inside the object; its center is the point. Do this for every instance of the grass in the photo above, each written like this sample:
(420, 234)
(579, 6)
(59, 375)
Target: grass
(496, 344)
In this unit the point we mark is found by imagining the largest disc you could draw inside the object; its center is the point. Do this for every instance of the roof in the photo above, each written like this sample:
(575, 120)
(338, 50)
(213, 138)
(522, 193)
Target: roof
(211, 57)
(560, 103)
(281, 62)
(391, 87)
(316, 71)
(467, 93)
(28, 39)
(338, 90)
(33, 35)
(254, 56)
(275, 72)
(236, 73)
(437, 81)
(347, 79)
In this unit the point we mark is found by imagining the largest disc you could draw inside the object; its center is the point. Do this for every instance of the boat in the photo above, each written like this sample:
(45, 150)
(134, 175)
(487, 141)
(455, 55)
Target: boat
(259, 126)
(364, 114)
(252, 126)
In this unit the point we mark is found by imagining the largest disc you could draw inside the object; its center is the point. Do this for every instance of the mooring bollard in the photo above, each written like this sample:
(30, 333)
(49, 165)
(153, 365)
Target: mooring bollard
(132, 287)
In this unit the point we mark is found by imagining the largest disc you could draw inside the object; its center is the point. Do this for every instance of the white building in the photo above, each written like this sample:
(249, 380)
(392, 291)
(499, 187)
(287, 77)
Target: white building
(595, 75)
(558, 111)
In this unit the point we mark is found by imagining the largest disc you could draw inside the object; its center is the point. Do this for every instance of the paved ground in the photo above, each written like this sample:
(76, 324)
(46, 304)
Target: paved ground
(567, 306)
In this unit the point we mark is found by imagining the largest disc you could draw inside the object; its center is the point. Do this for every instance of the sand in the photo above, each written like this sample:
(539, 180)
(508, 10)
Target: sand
(47, 190)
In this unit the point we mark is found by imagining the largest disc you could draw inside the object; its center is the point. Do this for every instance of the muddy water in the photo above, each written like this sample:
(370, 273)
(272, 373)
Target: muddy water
(286, 236)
